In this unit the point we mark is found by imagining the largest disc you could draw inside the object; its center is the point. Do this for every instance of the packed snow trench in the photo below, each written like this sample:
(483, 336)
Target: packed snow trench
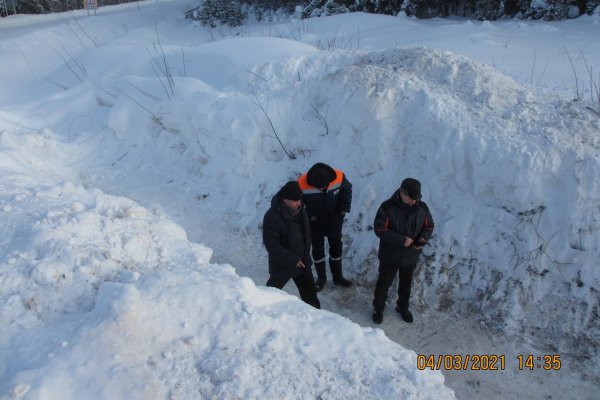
(132, 197)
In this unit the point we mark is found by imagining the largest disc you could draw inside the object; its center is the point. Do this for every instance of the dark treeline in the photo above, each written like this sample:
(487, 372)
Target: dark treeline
(479, 9)
(9, 7)
(233, 12)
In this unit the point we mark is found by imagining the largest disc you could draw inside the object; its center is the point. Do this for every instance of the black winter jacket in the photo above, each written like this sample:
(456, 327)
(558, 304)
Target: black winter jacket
(394, 222)
(277, 231)
(327, 206)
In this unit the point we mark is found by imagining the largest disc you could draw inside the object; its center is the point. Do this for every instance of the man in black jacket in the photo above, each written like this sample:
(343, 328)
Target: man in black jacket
(404, 225)
(286, 235)
(328, 196)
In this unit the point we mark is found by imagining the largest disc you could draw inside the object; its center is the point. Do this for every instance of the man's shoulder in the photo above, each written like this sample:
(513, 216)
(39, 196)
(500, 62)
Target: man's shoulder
(345, 180)
(272, 212)
(387, 204)
(422, 205)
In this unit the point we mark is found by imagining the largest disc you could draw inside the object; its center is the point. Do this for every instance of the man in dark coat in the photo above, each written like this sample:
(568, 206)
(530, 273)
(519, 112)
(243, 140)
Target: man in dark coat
(286, 235)
(328, 196)
(404, 225)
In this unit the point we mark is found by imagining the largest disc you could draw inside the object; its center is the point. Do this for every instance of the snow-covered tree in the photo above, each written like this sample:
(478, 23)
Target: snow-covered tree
(330, 7)
(422, 8)
(591, 6)
(489, 10)
(29, 7)
(216, 12)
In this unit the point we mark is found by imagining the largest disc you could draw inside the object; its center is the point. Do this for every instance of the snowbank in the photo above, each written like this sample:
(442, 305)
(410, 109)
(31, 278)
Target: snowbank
(104, 299)
(106, 289)
(509, 174)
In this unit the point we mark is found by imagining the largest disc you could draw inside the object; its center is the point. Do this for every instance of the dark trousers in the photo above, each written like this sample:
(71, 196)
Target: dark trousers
(318, 245)
(387, 273)
(305, 284)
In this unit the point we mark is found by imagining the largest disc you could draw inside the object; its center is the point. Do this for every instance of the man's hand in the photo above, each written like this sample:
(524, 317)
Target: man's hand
(419, 245)
(408, 242)
(300, 264)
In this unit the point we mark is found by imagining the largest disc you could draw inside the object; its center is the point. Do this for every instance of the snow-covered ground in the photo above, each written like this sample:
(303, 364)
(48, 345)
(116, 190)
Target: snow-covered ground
(112, 175)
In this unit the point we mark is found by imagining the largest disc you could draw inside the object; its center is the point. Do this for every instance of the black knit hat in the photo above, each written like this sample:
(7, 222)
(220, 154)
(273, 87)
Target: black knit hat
(291, 191)
(319, 177)
(412, 188)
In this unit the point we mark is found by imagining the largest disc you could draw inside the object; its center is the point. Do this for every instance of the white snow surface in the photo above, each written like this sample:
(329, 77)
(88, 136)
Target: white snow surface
(112, 176)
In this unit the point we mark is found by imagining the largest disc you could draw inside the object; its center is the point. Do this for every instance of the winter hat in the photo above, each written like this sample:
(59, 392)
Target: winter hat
(291, 191)
(412, 188)
(319, 177)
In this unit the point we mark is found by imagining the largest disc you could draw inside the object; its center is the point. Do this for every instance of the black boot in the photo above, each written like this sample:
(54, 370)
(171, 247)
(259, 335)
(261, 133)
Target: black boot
(321, 276)
(405, 314)
(336, 271)
(377, 317)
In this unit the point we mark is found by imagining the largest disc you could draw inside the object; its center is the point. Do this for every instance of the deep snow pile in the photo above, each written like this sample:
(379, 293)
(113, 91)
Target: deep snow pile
(102, 298)
(509, 173)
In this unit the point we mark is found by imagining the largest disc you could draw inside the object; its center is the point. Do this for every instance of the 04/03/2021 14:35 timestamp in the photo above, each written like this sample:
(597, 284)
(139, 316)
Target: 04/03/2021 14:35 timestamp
(488, 362)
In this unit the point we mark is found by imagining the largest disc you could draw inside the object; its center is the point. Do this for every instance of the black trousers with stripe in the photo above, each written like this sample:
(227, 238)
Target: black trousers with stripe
(318, 245)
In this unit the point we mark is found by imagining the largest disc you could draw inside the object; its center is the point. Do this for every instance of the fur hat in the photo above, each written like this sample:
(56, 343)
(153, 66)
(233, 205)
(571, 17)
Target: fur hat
(412, 188)
(291, 191)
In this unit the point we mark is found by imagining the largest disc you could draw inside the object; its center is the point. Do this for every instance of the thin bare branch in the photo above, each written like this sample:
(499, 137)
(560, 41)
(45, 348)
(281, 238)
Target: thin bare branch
(577, 93)
(318, 115)
(258, 103)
